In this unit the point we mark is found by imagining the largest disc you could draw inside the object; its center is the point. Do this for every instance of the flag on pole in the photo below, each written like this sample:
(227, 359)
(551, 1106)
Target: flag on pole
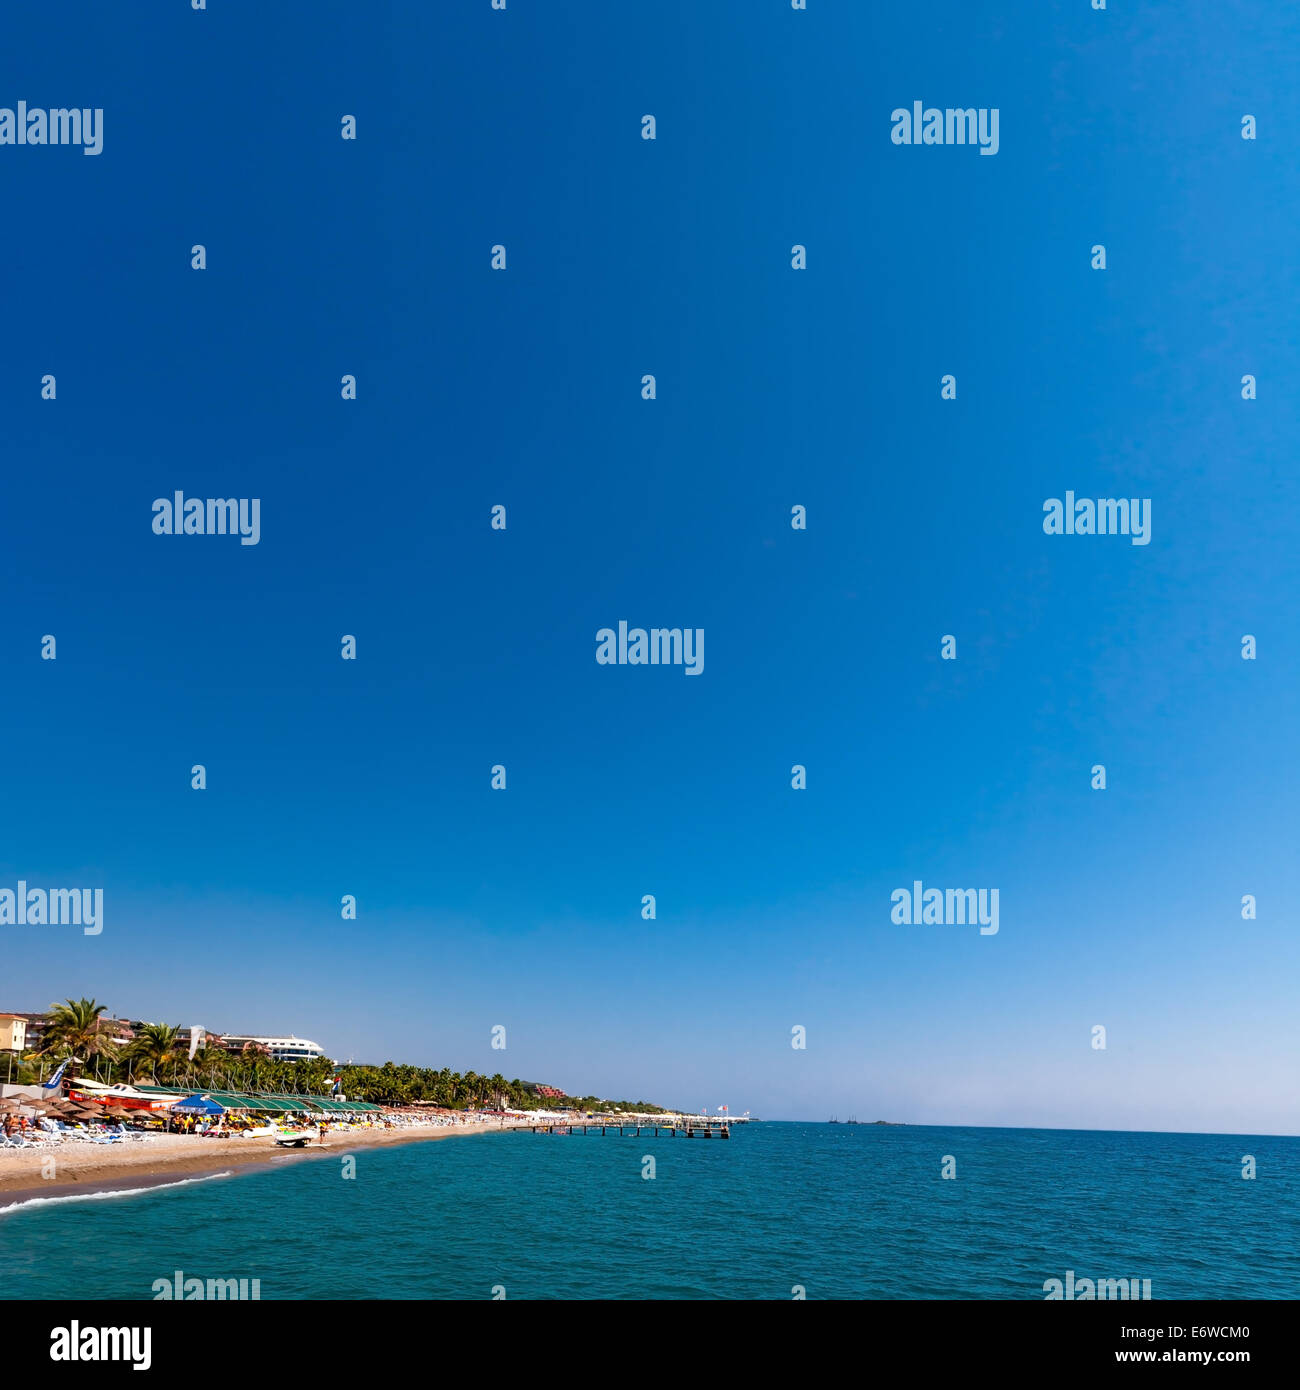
(53, 1083)
(338, 1085)
(196, 1040)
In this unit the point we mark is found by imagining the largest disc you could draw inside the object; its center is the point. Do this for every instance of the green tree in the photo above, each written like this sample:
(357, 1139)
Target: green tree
(74, 1029)
(158, 1047)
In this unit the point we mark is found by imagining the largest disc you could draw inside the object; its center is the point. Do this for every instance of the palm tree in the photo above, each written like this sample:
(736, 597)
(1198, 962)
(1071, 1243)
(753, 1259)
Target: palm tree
(159, 1047)
(74, 1029)
(216, 1064)
(254, 1063)
(316, 1074)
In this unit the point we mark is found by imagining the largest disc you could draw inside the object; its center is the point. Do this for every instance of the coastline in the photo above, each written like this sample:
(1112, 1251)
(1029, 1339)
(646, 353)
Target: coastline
(92, 1169)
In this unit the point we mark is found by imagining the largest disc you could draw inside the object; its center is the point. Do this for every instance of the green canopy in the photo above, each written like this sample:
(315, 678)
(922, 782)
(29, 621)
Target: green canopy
(272, 1104)
(332, 1105)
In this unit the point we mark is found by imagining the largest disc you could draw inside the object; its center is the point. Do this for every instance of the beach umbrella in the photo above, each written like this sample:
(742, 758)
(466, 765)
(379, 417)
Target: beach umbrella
(198, 1105)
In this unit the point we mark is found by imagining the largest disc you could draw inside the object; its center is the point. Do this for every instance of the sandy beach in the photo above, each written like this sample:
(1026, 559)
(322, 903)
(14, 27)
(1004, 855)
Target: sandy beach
(69, 1169)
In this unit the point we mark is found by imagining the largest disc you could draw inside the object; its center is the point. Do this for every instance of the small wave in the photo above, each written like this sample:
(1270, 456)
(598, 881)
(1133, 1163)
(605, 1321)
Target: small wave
(101, 1196)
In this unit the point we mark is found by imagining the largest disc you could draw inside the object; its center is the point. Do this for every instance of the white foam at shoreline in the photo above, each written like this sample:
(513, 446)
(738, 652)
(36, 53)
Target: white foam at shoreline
(99, 1196)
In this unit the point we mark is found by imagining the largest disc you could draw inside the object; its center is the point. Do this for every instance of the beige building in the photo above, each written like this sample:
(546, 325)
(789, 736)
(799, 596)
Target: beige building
(13, 1033)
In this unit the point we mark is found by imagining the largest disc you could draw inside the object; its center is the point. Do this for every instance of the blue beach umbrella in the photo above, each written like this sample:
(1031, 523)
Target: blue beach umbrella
(197, 1105)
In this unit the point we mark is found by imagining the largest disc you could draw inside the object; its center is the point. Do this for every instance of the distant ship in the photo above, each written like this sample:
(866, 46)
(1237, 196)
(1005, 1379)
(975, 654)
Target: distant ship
(832, 1121)
(852, 1120)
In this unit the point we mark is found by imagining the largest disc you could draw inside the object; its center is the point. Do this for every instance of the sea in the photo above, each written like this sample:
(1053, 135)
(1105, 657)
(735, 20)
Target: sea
(779, 1211)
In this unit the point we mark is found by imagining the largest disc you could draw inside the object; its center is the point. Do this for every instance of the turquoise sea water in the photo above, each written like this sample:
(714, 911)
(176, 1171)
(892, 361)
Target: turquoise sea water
(844, 1211)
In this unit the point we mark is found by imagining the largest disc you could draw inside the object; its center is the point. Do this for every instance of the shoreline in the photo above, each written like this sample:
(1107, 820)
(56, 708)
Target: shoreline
(130, 1168)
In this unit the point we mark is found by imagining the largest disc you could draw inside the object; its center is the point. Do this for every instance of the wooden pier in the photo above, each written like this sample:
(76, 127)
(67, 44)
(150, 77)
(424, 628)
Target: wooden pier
(691, 1129)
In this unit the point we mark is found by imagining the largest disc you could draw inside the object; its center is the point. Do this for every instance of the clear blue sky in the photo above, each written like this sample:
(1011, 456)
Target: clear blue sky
(672, 257)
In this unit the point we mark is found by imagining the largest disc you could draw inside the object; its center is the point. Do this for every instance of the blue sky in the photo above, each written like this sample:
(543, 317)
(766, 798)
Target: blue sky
(775, 387)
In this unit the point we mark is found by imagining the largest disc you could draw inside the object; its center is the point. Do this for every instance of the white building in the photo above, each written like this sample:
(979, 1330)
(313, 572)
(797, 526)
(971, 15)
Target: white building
(283, 1049)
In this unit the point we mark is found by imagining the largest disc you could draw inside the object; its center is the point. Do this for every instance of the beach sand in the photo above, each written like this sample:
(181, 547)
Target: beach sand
(168, 1158)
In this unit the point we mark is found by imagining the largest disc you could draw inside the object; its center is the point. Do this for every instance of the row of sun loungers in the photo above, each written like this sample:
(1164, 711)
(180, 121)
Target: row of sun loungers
(53, 1132)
